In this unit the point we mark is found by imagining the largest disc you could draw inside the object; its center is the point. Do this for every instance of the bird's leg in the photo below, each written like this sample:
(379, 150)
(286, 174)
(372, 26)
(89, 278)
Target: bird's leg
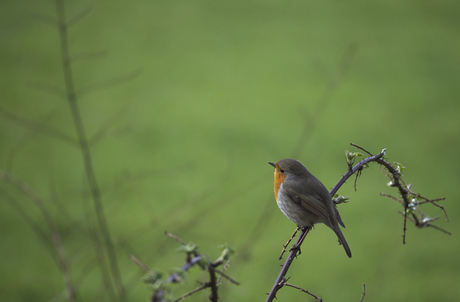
(287, 243)
(304, 234)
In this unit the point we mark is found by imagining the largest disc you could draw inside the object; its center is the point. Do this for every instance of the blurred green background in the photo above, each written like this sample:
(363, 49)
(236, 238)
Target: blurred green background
(224, 87)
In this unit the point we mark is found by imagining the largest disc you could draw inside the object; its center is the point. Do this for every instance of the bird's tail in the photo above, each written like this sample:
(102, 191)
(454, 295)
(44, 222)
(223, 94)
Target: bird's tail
(342, 240)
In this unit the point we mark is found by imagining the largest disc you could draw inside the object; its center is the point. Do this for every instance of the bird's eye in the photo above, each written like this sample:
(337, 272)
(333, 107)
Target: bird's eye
(281, 170)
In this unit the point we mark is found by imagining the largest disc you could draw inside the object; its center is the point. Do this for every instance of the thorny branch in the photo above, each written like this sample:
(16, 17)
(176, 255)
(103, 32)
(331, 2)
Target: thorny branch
(409, 200)
(282, 275)
(205, 285)
(305, 291)
(192, 258)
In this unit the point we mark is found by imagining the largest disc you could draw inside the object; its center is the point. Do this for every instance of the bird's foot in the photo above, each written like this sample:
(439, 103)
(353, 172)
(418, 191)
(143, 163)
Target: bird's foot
(295, 246)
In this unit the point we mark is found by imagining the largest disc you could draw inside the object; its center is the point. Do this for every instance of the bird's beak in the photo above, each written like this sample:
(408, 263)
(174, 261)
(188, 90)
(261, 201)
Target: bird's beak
(273, 164)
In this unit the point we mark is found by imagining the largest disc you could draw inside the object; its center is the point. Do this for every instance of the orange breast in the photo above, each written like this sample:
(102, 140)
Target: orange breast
(279, 179)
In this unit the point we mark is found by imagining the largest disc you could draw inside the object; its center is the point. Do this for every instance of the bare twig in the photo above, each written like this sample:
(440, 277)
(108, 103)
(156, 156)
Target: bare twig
(433, 202)
(287, 243)
(175, 238)
(139, 263)
(213, 266)
(439, 229)
(287, 264)
(223, 270)
(39, 127)
(87, 159)
(48, 88)
(221, 273)
(107, 83)
(304, 291)
(204, 286)
(158, 295)
(204, 263)
(22, 142)
(407, 196)
(426, 222)
(75, 19)
(356, 168)
(34, 226)
(364, 292)
(63, 263)
(361, 148)
(392, 197)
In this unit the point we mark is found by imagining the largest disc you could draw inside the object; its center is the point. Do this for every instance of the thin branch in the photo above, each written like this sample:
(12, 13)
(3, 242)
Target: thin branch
(158, 295)
(185, 267)
(392, 197)
(407, 195)
(28, 191)
(47, 88)
(222, 274)
(439, 229)
(287, 264)
(213, 266)
(87, 55)
(107, 83)
(39, 127)
(104, 130)
(354, 170)
(87, 159)
(304, 291)
(364, 292)
(65, 213)
(223, 270)
(81, 15)
(21, 143)
(175, 238)
(433, 202)
(139, 263)
(34, 226)
(204, 286)
(361, 148)
(287, 243)
(426, 222)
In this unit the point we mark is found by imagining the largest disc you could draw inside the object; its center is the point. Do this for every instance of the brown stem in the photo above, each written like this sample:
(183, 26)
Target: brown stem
(304, 291)
(364, 292)
(213, 283)
(287, 264)
(87, 160)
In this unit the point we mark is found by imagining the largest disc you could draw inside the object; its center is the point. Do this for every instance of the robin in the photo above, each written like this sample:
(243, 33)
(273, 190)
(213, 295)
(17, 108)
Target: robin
(304, 199)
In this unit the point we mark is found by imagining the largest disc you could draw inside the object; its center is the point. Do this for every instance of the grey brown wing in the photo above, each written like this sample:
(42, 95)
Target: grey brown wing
(309, 203)
(329, 204)
(339, 219)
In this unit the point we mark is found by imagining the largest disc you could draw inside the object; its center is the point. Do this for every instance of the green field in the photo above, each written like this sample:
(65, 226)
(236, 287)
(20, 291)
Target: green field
(184, 102)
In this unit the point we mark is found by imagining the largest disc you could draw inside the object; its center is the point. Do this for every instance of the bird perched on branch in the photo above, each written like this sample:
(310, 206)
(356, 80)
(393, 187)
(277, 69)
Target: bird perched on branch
(304, 199)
